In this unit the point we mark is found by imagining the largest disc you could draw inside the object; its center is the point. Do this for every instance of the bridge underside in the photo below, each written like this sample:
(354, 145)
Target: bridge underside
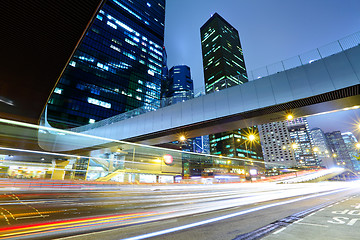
(331, 101)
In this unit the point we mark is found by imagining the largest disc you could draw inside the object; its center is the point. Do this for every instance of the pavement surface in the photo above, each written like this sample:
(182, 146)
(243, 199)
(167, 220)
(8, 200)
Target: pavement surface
(340, 221)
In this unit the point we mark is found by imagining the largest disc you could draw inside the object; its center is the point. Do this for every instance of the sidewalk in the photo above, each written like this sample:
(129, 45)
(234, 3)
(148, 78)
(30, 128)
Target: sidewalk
(340, 221)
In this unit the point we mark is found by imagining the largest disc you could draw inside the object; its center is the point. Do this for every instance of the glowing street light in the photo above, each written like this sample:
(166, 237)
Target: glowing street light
(334, 155)
(251, 137)
(289, 117)
(315, 149)
(357, 145)
(294, 146)
(182, 138)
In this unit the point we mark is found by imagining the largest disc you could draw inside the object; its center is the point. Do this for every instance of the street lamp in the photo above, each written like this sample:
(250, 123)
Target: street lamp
(251, 137)
(182, 138)
(294, 146)
(289, 117)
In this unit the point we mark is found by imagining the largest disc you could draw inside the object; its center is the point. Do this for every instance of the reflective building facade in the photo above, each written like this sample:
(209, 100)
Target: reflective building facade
(302, 143)
(339, 148)
(223, 58)
(116, 68)
(178, 86)
(224, 66)
(350, 142)
(322, 148)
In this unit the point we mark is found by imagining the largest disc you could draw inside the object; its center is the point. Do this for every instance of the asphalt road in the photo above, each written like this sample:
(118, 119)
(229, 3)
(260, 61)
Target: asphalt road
(219, 211)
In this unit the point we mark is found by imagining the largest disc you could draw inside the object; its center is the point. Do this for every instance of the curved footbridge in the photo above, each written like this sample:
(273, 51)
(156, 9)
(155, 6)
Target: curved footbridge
(326, 84)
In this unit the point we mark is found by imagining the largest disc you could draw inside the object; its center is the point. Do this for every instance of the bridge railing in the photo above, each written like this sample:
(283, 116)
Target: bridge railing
(307, 57)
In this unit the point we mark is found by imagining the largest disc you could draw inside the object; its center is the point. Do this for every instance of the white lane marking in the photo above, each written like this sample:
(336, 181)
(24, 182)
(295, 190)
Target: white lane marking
(312, 224)
(299, 220)
(280, 230)
(312, 214)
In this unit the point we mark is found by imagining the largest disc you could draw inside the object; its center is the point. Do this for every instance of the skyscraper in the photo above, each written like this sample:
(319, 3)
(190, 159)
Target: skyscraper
(224, 66)
(338, 146)
(322, 148)
(179, 86)
(276, 145)
(223, 58)
(350, 141)
(116, 68)
(302, 143)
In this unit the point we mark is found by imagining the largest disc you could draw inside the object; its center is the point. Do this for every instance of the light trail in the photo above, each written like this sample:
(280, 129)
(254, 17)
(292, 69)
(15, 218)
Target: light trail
(41, 228)
(187, 226)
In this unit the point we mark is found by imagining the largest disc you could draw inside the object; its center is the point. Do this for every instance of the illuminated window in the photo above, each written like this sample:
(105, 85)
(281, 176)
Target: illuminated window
(58, 90)
(99, 102)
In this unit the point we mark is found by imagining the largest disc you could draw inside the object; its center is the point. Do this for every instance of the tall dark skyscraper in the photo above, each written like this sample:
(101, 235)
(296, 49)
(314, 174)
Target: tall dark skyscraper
(223, 58)
(116, 68)
(224, 66)
(178, 86)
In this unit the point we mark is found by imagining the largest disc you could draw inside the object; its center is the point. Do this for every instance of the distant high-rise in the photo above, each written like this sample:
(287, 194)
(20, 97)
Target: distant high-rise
(224, 66)
(302, 144)
(276, 144)
(322, 148)
(350, 141)
(223, 58)
(178, 86)
(338, 146)
(116, 68)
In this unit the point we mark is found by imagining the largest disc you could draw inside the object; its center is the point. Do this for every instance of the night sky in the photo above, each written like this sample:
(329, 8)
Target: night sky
(270, 31)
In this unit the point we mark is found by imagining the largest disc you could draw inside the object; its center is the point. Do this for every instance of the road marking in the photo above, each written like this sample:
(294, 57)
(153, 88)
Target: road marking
(311, 214)
(280, 230)
(312, 224)
(299, 220)
(7, 220)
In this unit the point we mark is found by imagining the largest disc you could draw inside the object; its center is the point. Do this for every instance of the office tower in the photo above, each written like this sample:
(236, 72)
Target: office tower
(276, 145)
(223, 59)
(339, 149)
(224, 66)
(350, 142)
(116, 68)
(322, 148)
(178, 86)
(302, 143)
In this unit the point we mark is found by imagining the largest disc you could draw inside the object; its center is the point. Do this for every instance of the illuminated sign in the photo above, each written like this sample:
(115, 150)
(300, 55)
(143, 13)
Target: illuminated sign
(168, 159)
(253, 172)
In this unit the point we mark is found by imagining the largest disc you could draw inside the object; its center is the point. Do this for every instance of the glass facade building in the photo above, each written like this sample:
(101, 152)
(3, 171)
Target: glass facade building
(350, 142)
(178, 86)
(302, 143)
(322, 148)
(339, 149)
(116, 68)
(224, 66)
(223, 58)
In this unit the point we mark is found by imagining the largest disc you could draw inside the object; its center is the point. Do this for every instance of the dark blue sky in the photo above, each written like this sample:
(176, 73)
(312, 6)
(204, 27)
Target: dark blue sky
(270, 31)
